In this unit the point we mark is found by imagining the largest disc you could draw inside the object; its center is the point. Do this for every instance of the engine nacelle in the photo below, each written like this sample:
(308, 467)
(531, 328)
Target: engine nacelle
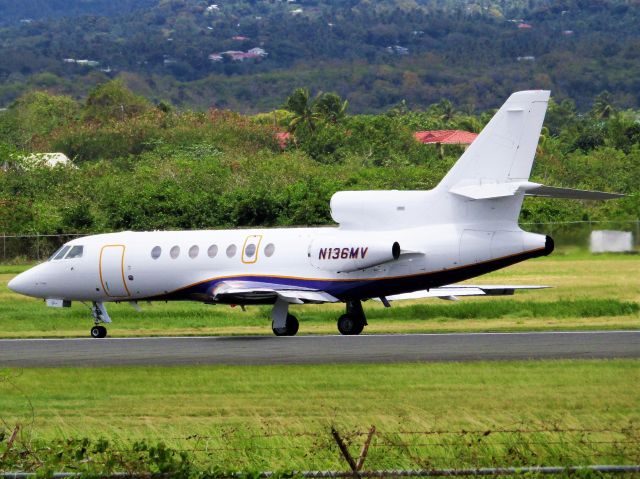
(346, 254)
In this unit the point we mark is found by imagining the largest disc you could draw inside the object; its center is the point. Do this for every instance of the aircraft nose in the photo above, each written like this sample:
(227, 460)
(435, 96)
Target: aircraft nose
(22, 284)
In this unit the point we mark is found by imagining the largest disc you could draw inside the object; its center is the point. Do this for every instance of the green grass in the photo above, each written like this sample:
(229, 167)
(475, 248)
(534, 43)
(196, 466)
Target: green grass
(589, 292)
(274, 417)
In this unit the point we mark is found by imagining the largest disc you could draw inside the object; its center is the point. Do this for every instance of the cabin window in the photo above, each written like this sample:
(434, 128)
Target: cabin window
(156, 252)
(231, 250)
(193, 251)
(76, 252)
(269, 250)
(212, 251)
(175, 252)
(62, 252)
(250, 250)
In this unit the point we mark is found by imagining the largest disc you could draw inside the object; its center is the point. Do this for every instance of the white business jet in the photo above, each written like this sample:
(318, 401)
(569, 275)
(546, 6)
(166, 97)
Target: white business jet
(388, 245)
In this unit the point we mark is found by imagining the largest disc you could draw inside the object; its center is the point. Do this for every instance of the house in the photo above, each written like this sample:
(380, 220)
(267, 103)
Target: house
(398, 50)
(257, 52)
(526, 58)
(239, 38)
(84, 63)
(445, 137)
(524, 26)
(238, 55)
(284, 137)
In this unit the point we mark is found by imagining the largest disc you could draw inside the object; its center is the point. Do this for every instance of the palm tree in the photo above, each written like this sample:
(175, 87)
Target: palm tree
(330, 107)
(603, 107)
(299, 104)
(446, 110)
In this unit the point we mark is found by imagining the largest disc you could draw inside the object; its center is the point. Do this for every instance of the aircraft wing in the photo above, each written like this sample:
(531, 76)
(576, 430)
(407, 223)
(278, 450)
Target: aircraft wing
(243, 292)
(453, 291)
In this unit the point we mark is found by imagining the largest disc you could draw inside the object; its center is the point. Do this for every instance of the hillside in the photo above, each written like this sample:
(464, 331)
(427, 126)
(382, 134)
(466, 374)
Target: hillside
(248, 55)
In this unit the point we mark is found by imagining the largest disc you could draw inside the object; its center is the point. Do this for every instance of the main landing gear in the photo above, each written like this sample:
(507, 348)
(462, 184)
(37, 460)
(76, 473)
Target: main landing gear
(290, 328)
(282, 322)
(354, 321)
(285, 324)
(100, 315)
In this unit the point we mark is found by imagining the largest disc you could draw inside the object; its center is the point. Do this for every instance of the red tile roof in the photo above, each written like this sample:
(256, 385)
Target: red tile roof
(448, 137)
(283, 138)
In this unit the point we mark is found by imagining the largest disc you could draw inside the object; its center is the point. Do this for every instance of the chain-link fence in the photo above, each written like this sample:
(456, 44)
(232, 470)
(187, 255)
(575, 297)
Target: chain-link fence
(23, 248)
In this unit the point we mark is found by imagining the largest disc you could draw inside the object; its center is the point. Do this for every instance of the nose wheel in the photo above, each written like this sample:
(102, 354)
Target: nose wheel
(100, 315)
(98, 332)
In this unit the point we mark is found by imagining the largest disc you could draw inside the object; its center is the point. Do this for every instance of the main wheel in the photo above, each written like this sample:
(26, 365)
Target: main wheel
(98, 332)
(350, 325)
(290, 329)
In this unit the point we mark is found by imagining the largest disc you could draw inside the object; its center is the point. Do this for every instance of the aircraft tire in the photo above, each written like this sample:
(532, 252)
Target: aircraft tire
(350, 325)
(290, 329)
(98, 332)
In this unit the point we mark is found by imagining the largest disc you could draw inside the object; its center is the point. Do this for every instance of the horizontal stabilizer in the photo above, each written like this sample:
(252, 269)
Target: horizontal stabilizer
(486, 191)
(554, 192)
(452, 292)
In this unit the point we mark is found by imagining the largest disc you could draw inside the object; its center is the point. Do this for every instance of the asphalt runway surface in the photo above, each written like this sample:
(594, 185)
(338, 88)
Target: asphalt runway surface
(167, 351)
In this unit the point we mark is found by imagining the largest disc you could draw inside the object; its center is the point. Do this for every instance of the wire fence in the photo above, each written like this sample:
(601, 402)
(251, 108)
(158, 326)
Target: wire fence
(37, 247)
(516, 451)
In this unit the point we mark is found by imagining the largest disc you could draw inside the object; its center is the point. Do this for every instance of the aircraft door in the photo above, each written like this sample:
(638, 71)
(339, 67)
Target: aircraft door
(112, 271)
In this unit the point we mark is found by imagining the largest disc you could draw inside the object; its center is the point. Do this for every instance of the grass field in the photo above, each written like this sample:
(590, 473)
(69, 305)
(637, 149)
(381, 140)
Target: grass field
(279, 417)
(589, 292)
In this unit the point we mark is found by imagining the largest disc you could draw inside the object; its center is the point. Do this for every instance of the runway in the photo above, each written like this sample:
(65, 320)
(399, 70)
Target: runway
(257, 350)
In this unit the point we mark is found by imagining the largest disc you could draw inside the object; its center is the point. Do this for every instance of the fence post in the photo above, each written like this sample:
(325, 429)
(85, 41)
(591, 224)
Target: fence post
(345, 452)
(365, 448)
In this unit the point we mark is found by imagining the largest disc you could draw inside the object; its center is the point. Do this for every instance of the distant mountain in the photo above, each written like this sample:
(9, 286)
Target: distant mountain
(248, 55)
(12, 11)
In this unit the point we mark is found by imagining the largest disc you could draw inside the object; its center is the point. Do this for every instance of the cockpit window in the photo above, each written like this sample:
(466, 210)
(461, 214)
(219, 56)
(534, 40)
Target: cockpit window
(61, 252)
(76, 252)
(55, 253)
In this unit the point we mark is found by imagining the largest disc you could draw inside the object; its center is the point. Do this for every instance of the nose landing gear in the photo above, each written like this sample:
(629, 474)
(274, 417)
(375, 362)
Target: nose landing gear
(100, 315)
(98, 332)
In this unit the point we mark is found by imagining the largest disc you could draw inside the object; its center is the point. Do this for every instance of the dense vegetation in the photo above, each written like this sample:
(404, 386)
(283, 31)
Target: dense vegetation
(472, 52)
(141, 166)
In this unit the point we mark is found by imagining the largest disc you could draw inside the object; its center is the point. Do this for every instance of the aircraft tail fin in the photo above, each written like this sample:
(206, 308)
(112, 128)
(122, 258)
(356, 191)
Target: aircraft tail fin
(504, 150)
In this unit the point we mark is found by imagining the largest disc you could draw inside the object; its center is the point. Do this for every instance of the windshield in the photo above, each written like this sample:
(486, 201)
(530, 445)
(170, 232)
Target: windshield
(76, 252)
(60, 253)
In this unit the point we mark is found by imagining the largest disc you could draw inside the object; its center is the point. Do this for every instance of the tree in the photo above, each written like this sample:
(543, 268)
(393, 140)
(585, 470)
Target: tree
(300, 105)
(603, 107)
(327, 107)
(37, 114)
(330, 107)
(114, 101)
